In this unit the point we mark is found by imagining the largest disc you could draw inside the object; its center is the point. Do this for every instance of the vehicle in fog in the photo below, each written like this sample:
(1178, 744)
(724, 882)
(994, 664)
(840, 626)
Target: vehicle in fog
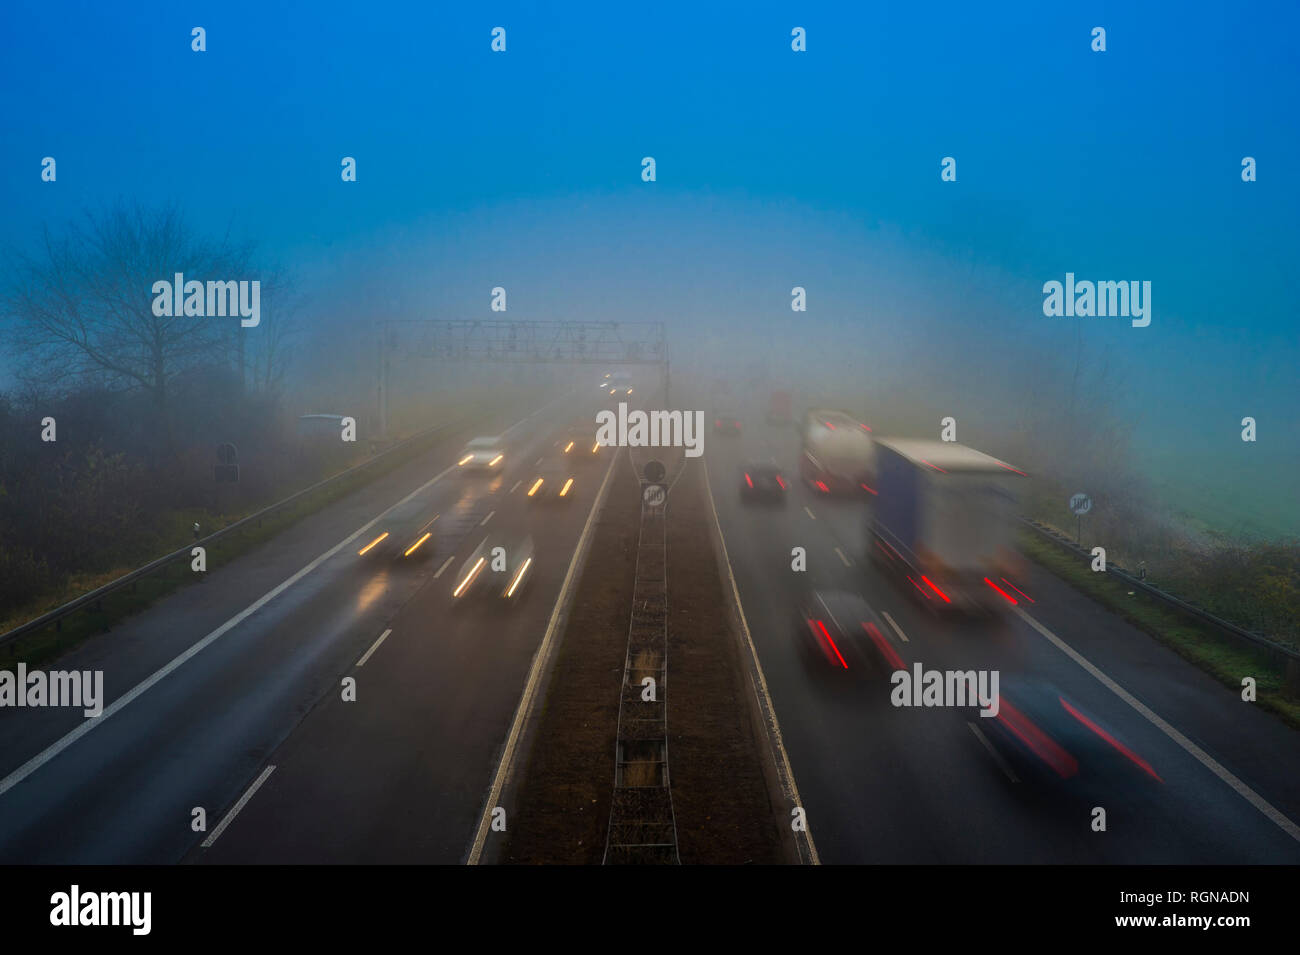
(726, 424)
(483, 454)
(553, 482)
(500, 567)
(838, 455)
(779, 408)
(1049, 740)
(840, 633)
(944, 519)
(578, 445)
(762, 482)
(620, 384)
(405, 532)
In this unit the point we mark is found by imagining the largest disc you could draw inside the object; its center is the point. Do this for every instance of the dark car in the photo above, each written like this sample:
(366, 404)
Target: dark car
(553, 483)
(404, 532)
(763, 482)
(840, 634)
(579, 445)
(500, 568)
(1048, 739)
(726, 424)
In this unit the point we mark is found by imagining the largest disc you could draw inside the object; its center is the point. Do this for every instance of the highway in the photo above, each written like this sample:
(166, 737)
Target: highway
(885, 784)
(398, 775)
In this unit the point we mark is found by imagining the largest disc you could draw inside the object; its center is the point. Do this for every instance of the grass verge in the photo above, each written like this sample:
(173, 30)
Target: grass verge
(1222, 657)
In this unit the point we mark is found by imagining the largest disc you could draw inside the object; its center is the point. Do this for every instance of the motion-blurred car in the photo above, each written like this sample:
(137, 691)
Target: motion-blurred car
(500, 567)
(579, 446)
(726, 424)
(1050, 740)
(405, 532)
(840, 632)
(762, 483)
(482, 454)
(552, 483)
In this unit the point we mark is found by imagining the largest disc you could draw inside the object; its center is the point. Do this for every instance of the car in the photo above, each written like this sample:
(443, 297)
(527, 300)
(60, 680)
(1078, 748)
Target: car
(552, 483)
(1049, 740)
(726, 424)
(500, 568)
(482, 454)
(840, 634)
(578, 444)
(763, 482)
(404, 532)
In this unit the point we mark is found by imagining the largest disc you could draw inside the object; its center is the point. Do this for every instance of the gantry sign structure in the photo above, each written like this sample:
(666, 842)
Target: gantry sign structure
(516, 342)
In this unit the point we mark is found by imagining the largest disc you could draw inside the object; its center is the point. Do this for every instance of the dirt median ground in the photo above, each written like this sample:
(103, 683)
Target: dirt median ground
(722, 805)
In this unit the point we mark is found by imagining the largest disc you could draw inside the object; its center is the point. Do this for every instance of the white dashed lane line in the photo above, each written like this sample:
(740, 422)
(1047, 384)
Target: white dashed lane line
(483, 523)
(445, 564)
(234, 811)
(847, 562)
(373, 647)
(997, 757)
(897, 629)
(809, 513)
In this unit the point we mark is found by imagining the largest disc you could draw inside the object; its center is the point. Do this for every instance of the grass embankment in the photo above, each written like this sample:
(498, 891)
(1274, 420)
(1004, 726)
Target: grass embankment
(1224, 658)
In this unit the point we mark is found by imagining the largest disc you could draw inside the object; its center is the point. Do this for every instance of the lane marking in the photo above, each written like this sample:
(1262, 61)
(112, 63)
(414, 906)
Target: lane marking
(483, 523)
(809, 513)
(59, 745)
(540, 660)
(997, 757)
(897, 629)
(445, 564)
(1201, 756)
(783, 769)
(373, 647)
(843, 558)
(234, 810)
(516, 487)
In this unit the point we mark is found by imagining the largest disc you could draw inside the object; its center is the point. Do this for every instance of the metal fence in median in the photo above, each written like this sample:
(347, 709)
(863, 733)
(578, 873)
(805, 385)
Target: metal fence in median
(95, 596)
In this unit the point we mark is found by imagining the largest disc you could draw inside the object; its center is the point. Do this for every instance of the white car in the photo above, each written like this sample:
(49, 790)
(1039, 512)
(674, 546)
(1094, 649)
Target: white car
(482, 454)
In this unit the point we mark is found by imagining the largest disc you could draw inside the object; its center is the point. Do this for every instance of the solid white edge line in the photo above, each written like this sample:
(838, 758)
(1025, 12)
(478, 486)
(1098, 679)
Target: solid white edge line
(63, 742)
(540, 659)
(1201, 756)
(997, 757)
(373, 647)
(897, 629)
(234, 810)
(783, 767)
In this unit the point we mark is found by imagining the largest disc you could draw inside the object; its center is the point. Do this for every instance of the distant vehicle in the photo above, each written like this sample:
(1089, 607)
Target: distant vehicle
(726, 424)
(499, 567)
(620, 384)
(838, 455)
(405, 532)
(482, 454)
(840, 632)
(579, 444)
(1049, 740)
(763, 482)
(554, 482)
(778, 408)
(944, 517)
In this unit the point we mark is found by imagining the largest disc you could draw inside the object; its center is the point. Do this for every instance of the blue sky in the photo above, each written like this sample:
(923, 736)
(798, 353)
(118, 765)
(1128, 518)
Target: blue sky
(774, 169)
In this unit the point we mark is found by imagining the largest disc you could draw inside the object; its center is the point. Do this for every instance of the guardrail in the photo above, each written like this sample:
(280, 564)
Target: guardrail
(1280, 652)
(95, 596)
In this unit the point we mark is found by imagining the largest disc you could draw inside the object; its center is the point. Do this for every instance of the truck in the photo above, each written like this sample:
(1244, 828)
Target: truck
(838, 455)
(943, 517)
(778, 408)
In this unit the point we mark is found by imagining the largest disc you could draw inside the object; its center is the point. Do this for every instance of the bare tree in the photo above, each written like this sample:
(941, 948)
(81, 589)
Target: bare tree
(82, 312)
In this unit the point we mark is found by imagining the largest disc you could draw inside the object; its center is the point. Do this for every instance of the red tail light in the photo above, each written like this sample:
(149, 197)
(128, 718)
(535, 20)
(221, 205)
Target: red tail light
(749, 480)
(1042, 745)
(821, 486)
(827, 634)
(936, 589)
(884, 646)
(1010, 599)
(780, 481)
(1132, 756)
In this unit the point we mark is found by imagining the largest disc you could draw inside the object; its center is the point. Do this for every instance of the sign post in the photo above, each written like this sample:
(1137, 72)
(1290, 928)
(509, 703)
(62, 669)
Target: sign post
(1080, 504)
